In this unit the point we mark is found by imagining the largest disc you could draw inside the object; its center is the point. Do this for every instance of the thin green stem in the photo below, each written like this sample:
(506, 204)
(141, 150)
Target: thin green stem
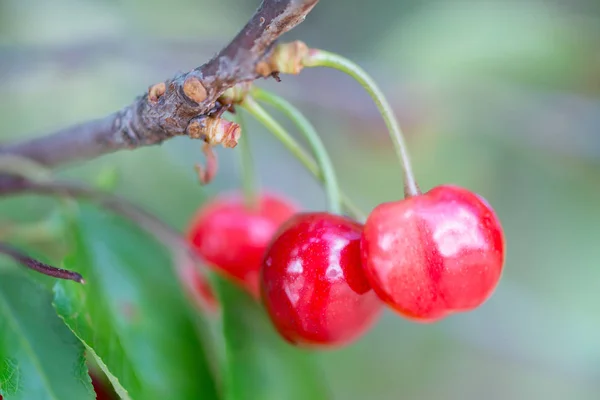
(314, 141)
(321, 58)
(249, 181)
(294, 147)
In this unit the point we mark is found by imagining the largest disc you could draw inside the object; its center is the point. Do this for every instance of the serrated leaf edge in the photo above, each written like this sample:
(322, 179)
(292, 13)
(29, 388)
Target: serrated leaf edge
(27, 345)
(121, 391)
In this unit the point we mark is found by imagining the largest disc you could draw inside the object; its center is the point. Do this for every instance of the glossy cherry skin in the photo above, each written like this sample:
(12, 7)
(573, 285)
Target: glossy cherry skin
(312, 283)
(233, 238)
(433, 254)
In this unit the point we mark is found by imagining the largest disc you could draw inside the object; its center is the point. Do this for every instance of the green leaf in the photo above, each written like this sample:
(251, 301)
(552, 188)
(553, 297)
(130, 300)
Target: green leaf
(39, 356)
(132, 314)
(260, 364)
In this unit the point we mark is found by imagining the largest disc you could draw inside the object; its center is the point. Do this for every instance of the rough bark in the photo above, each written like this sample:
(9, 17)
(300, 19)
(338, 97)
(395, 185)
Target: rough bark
(166, 110)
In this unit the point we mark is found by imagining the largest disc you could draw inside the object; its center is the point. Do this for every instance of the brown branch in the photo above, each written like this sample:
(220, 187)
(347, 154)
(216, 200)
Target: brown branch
(38, 266)
(181, 250)
(168, 108)
(11, 185)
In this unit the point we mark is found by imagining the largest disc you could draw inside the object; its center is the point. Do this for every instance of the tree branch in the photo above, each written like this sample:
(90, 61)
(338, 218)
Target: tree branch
(169, 107)
(38, 266)
(12, 185)
(182, 251)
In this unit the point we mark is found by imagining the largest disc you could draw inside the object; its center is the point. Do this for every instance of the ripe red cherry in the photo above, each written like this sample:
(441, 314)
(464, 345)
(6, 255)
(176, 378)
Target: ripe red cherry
(312, 283)
(233, 238)
(433, 254)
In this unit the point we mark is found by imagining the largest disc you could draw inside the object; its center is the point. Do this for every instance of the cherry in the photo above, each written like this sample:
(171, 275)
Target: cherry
(312, 283)
(433, 254)
(233, 238)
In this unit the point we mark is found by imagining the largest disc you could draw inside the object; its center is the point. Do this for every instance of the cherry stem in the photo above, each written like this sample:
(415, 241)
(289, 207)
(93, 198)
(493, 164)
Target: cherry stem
(321, 58)
(249, 181)
(294, 147)
(313, 139)
(38, 266)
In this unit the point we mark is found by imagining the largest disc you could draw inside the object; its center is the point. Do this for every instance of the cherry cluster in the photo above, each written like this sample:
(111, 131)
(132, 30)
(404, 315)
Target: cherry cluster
(324, 278)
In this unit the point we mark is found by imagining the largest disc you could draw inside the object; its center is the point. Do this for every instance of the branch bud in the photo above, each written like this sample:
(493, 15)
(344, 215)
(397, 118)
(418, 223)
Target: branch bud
(235, 94)
(155, 91)
(214, 131)
(194, 89)
(287, 58)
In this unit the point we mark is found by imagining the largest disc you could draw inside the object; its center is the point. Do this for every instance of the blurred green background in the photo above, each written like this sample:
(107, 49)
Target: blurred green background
(502, 97)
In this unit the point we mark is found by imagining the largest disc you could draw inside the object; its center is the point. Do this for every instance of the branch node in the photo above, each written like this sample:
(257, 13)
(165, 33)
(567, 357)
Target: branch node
(235, 94)
(263, 69)
(194, 90)
(155, 91)
(214, 131)
(286, 58)
(166, 109)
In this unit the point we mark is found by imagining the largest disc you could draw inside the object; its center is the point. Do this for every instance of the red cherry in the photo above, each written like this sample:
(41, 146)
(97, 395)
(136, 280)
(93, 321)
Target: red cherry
(233, 238)
(434, 254)
(312, 282)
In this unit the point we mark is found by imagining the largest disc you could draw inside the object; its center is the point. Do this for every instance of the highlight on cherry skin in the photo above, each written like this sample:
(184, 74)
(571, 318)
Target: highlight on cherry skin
(232, 237)
(312, 282)
(433, 254)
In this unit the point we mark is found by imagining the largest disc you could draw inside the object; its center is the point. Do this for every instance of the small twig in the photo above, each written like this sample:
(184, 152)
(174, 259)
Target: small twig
(17, 185)
(164, 233)
(38, 266)
(183, 254)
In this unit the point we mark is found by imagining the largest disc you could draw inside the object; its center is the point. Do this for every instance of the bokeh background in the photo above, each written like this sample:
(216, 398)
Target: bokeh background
(499, 96)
